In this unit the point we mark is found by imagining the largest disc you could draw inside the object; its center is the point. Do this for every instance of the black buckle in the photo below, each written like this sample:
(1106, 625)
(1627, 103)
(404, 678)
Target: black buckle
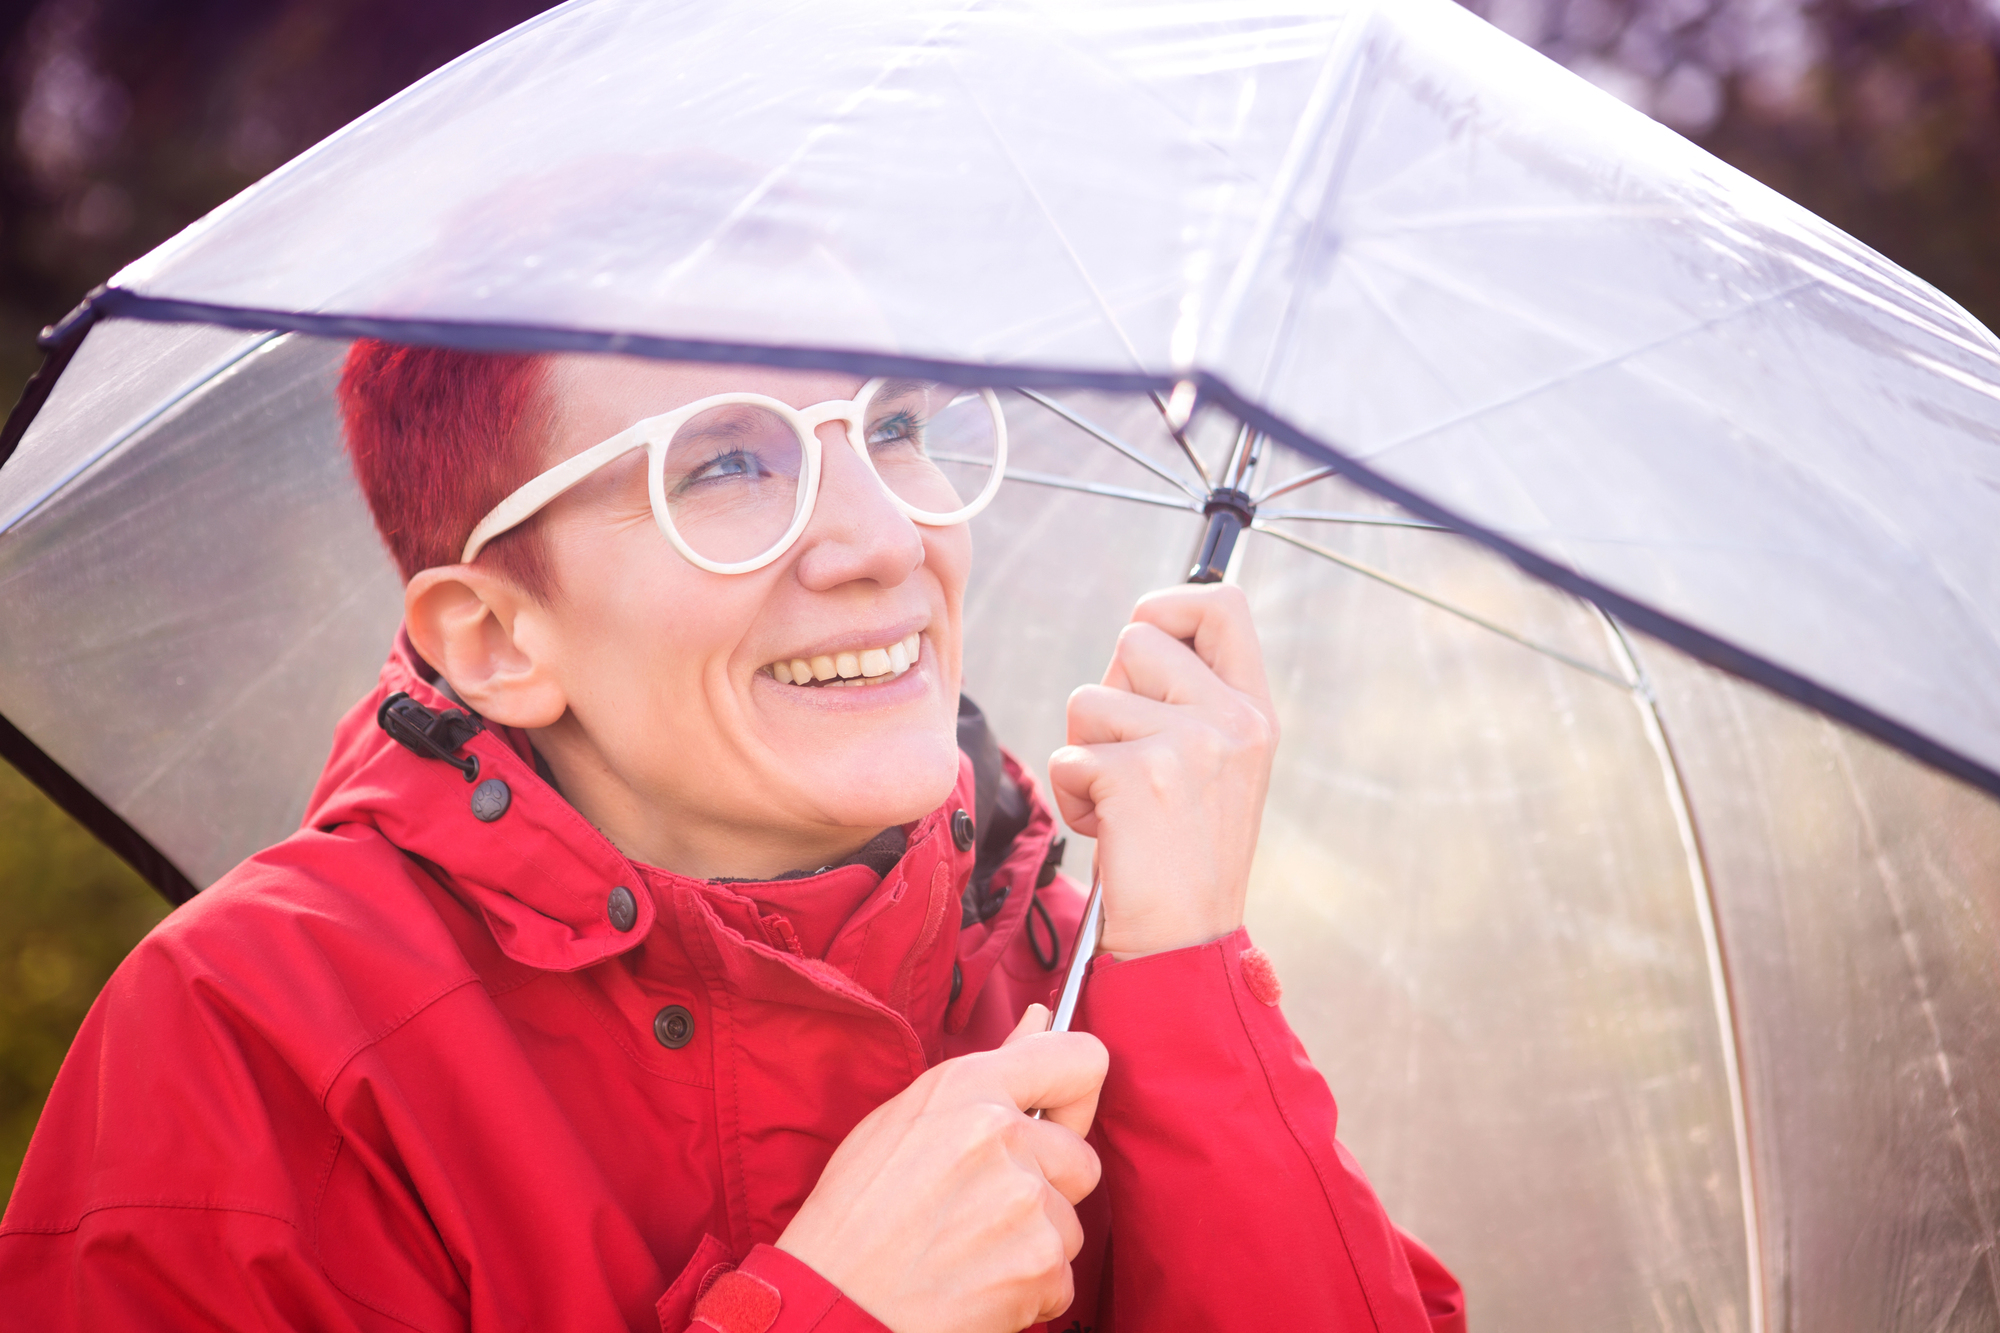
(430, 735)
(1051, 863)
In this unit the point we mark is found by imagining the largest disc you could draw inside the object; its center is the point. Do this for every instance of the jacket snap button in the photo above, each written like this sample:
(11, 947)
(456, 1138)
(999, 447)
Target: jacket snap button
(674, 1026)
(962, 831)
(490, 800)
(623, 908)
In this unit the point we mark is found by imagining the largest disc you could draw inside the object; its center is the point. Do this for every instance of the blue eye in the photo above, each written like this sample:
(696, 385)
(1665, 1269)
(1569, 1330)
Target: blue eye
(900, 430)
(735, 465)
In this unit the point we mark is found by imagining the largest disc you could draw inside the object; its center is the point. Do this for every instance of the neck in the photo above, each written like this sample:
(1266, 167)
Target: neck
(699, 845)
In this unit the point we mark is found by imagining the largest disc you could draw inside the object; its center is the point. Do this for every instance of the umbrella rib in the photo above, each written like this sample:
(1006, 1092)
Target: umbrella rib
(1106, 437)
(1322, 104)
(1100, 488)
(187, 390)
(1369, 571)
(1612, 361)
(1343, 516)
(1303, 479)
(1180, 438)
(1722, 994)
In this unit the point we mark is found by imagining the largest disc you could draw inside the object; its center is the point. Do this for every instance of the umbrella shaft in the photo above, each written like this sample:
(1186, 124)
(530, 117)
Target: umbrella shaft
(1080, 954)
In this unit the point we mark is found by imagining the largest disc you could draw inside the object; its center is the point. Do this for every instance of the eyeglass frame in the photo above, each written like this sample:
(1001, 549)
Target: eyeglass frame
(656, 434)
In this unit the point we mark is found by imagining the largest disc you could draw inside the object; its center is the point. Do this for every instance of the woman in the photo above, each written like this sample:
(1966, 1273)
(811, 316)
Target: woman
(641, 960)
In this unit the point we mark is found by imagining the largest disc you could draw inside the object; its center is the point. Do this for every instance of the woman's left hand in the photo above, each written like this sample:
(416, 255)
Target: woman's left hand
(1167, 765)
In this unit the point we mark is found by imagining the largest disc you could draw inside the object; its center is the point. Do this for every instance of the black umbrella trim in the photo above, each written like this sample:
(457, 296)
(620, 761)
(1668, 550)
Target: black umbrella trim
(82, 805)
(59, 342)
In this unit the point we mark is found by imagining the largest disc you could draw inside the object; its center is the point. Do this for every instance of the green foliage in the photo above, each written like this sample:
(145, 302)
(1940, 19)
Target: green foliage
(69, 911)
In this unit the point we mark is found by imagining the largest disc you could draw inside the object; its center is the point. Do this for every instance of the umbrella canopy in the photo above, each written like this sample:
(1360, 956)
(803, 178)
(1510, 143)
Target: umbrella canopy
(1653, 997)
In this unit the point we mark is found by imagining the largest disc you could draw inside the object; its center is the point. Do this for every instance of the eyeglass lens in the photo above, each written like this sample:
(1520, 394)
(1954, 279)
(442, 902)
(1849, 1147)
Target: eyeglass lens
(731, 479)
(731, 475)
(933, 444)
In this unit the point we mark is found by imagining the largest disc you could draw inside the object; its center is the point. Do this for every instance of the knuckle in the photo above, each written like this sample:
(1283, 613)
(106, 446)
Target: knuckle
(1249, 726)
(1021, 1197)
(1162, 777)
(1136, 636)
(1051, 1253)
(989, 1121)
(1070, 759)
(951, 1078)
(1163, 758)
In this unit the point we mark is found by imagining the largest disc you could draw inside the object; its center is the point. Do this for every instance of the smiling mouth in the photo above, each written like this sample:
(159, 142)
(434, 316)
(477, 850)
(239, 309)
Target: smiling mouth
(868, 666)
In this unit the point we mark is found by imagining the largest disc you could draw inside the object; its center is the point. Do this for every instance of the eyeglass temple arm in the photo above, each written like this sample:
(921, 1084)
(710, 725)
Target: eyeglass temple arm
(532, 497)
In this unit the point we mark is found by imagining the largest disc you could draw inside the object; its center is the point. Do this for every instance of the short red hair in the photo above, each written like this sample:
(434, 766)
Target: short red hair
(438, 437)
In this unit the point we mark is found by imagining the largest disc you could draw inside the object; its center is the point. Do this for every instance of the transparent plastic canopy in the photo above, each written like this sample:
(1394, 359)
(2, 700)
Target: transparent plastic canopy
(1393, 231)
(1653, 998)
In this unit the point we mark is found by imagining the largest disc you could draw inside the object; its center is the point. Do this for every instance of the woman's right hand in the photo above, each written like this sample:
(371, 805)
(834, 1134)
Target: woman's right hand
(948, 1208)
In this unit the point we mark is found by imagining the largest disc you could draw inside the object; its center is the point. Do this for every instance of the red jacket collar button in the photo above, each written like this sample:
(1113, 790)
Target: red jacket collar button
(490, 800)
(674, 1026)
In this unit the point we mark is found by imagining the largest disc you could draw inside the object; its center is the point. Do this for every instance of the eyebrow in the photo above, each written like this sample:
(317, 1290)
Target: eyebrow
(732, 421)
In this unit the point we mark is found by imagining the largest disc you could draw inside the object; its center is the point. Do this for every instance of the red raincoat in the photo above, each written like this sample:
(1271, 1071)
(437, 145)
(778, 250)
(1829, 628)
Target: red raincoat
(405, 1071)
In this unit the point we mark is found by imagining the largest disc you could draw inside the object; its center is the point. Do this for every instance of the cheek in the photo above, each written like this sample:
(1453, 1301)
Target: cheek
(639, 623)
(948, 556)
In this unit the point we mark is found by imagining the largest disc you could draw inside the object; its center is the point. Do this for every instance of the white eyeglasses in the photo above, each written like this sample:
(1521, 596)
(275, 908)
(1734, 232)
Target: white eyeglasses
(733, 477)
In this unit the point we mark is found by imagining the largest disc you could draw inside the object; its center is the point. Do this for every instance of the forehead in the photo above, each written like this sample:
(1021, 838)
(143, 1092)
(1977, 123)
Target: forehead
(593, 397)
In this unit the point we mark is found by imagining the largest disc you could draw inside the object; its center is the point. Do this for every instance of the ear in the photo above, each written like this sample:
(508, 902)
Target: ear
(475, 628)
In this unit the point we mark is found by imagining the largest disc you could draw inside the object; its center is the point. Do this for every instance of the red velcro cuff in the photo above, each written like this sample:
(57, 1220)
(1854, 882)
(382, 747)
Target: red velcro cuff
(809, 1300)
(1259, 977)
(739, 1302)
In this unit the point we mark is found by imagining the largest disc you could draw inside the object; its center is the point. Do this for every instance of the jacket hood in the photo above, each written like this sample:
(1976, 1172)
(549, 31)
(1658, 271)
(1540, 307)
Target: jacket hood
(473, 805)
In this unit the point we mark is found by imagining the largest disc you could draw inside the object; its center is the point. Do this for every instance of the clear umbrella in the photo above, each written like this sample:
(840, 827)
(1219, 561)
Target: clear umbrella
(1655, 970)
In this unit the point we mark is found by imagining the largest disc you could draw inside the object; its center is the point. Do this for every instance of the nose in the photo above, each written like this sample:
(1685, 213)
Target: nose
(856, 531)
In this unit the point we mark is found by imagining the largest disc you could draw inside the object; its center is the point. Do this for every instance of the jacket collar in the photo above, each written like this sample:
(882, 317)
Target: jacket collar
(546, 881)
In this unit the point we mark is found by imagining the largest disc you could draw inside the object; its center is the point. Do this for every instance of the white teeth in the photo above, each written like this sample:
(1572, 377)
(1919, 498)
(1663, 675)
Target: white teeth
(864, 666)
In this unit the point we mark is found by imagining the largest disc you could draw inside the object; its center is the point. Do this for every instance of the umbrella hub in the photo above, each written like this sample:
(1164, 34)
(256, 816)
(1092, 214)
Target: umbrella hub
(1229, 512)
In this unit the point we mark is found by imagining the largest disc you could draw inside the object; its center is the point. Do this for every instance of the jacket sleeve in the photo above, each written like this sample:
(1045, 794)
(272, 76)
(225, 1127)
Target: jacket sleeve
(1232, 1204)
(157, 1192)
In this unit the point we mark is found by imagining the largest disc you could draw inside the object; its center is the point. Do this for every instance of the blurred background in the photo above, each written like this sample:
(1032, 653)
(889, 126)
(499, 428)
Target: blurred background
(128, 119)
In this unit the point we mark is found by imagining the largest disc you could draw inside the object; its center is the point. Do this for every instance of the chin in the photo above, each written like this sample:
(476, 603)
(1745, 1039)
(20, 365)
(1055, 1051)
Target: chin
(888, 782)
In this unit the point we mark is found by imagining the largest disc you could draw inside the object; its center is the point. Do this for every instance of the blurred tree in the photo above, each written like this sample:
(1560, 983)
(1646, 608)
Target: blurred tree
(1881, 116)
(132, 118)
